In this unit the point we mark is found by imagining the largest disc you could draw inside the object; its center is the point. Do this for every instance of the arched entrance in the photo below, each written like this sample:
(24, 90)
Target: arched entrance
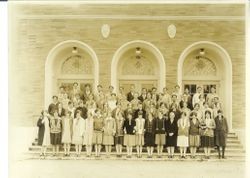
(207, 64)
(139, 63)
(68, 62)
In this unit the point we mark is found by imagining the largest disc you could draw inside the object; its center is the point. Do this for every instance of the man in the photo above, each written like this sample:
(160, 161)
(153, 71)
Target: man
(86, 93)
(75, 91)
(154, 93)
(211, 96)
(53, 106)
(166, 97)
(196, 97)
(143, 95)
(140, 109)
(110, 92)
(130, 95)
(177, 92)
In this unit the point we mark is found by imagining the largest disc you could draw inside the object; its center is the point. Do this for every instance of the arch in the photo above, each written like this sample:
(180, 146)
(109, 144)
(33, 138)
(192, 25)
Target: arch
(226, 80)
(51, 58)
(144, 44)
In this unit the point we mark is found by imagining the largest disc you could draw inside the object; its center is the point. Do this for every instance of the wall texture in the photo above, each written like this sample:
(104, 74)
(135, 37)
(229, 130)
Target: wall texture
(36, 29)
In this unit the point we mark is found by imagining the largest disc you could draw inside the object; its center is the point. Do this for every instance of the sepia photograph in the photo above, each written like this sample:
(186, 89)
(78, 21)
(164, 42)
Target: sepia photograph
(142, 89)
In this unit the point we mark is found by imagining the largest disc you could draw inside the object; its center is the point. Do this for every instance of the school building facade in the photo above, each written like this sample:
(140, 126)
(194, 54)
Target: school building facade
(146, 45)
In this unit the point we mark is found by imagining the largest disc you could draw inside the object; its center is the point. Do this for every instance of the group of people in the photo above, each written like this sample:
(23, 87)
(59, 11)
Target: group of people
(148, 119)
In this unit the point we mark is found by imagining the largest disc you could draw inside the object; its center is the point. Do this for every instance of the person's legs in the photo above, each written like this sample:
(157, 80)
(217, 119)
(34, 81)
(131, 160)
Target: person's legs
(80, 149)
(161, 149)
(219, 153)
(169, 151)
(151, 150)
(223, 151)
(99, 149)
(172, 151)
(184, 151)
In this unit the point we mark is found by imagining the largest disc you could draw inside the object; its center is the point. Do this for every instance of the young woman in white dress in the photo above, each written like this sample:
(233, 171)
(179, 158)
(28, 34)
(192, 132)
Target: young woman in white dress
(67, 123)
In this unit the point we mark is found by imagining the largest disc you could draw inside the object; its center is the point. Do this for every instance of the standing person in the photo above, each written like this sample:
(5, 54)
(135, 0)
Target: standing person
(183, 131)
(61, 94)
(196, 96)
(55, 132)
(75, 92)
(130, 95)
(171, 130)
(139, 130)
(71, 108)
(43, 132)
(194, 136)
(221, 132)
(65, 101)
(53, 106)
(61, 111)
(135, 101)
(119, 134)
(87, 92)
(109, 132)
(177, 92)
(78, 128)
(88, 133)
(112, 101)
(166, 97)
(98, 132)
(143, 95)
(83, 110)
(129, 131)
(67, 126)
(122, 98)
(160, 133)
(207, 136)
(91, 104)
(150, 134)
(210, 97)
(140, 109)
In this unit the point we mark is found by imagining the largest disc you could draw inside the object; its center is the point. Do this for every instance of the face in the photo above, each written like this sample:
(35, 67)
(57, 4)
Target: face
(149, 95)
(111, 89)
(62, 89)
(186, 90)
(199, 89)
(213, 90)
(75, 85)
(67, 114)
(78, 115)
(172, 115)
(132, 88)
(55, 99)
(144, 90)
(140, 106)
(99, 88)
(207, 115)
(121, 90)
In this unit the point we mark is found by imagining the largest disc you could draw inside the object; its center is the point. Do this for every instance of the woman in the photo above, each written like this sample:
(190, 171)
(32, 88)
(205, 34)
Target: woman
(78, 128)
(139, 130)
(88, 133)
(129, 131)
(183, 131)
(43, 132)
(160, 133)
(171, 131)
(119, 134)
(67, 124)
(150, 134)
(194, 136)
(207, 134)
(98, 132)
(221, 132)
(109, 132)
(55, 132)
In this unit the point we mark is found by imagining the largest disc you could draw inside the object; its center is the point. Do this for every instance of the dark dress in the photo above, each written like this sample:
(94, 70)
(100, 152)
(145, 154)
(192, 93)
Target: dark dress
(41, 129)
(171, 128)
(130, 96)
(221, 131)
(149, 135)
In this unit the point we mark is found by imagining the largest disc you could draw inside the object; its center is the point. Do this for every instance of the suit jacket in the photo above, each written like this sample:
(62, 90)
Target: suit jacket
(130, 96)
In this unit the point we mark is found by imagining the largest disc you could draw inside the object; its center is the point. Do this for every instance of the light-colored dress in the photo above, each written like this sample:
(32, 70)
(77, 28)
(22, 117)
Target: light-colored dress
(46, 138)
(139, 128)
(66, 134)
(88, 131)
(78, 128)
(109, 131)
(183, 132)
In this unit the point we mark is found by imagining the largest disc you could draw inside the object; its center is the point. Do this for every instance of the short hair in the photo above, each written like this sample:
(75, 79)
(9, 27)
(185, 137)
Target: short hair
(113, 94)
(54, 97)
(99, 85)
(177, 86)
(219, 111)
(110, 86)
(196, 104)
(154, 88)
(75, 83)
(70, 102)
(87, 85)
(140, 113)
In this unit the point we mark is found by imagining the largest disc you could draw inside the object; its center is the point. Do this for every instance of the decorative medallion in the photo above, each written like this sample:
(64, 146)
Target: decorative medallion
(171, 31)
(105, 30)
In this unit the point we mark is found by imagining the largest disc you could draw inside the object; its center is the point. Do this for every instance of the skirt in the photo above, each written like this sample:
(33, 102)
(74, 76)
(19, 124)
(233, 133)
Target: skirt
(207, 141)
(87, 139)
(149, 139)
(66, 137)
(108, 140)
(55, 138)
(194, 140)
(129, 140)
(182, 141)
(119, 140)
(77, 140)
(97, 138)
(139, 140)
(160, 139)
(171, 141)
